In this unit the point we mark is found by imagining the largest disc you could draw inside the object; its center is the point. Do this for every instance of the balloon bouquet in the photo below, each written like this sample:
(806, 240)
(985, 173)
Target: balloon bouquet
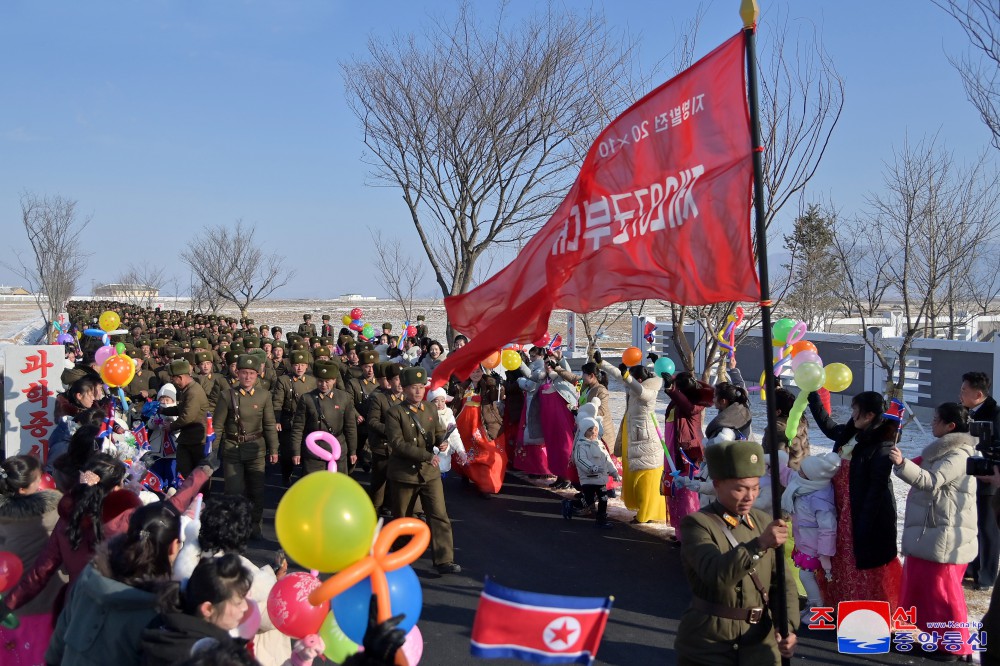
(327, 523)
(356, 323)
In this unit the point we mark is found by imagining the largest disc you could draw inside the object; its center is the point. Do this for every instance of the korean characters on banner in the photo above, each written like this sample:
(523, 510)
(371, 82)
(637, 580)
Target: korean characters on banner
(29, 402)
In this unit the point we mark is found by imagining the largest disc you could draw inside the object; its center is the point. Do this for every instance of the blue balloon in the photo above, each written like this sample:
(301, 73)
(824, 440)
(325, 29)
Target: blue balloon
(350, 607)
(664, 364)
(95, 332)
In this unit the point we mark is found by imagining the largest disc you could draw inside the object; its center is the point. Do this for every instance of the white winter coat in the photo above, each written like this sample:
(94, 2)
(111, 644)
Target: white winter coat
(592, 461)
(940, 520)
(644, 448)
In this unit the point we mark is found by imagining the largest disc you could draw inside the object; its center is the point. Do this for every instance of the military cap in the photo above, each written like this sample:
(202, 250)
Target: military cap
(251, 342)
(130, 350)
(348, 345)
(410, 376)
(325, 341)
(300, 357)
(232, 357)
(238, 347)
(223, 346)
(298, 345)
(735, 460)
(267, 341)
(144, 342)
(187, 356)
(307, 316)
(366, 357)
(279, 343)
(323, 352)
(202, 356)
(200, 343)
(391, 370)
(326, 370)
(420, 317)
(386, 326)
(379, 369)
(250, 322)
(247, 362)
(365, 346)
(258, 354)
(326, 317)
(179, 367)
(292, 337)
(158, 343)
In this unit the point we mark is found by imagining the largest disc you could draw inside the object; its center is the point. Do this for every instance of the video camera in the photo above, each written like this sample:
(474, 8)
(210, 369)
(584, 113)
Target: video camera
(983, 465)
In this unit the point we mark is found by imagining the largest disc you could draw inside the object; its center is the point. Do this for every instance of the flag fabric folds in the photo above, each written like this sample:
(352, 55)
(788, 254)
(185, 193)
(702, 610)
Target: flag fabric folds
(660, 209)
(209, 434)
(540, 628)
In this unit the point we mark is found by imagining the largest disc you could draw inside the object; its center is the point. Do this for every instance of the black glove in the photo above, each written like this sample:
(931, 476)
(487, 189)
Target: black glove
(597, 357)
(668, 380)
(382, 640)
(623, 368)
(652, 356)
(551, 363)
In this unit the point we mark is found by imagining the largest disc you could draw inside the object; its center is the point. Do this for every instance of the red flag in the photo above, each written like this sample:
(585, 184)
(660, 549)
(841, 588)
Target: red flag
(660, 209)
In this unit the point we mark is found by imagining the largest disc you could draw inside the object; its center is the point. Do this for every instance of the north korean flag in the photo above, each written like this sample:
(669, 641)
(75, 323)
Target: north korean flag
(209, 434)
(895, 411)
(141, 437)
(540, 628)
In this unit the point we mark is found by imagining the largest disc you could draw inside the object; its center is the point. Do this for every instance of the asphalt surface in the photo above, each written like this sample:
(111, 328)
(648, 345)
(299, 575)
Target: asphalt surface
(520, 539)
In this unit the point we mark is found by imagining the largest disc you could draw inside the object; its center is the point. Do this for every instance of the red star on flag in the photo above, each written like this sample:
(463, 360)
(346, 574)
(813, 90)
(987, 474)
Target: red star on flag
(562, 634)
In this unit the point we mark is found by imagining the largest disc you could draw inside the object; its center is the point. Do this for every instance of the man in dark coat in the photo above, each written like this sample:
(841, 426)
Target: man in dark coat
(974, 394)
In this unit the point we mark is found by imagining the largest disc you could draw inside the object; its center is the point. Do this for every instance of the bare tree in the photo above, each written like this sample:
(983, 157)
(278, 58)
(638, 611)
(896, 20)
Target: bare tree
(141, 284)
(923, 234)
(979, 69)
(229, 265)
(481, 126)
(57, 261)
(596, 324)
(401, 273)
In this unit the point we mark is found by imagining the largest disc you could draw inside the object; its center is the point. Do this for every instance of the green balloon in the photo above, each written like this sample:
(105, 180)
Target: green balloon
(120, 347)
(338, 646)
(781, 329)
(809, 377)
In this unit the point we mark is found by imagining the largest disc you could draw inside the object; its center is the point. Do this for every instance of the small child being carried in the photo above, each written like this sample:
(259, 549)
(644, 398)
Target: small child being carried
(446, 419)
(593, 464)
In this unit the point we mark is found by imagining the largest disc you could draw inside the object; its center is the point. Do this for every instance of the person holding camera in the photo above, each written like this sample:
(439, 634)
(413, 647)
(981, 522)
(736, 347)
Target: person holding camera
(974, 395)
(939, 531)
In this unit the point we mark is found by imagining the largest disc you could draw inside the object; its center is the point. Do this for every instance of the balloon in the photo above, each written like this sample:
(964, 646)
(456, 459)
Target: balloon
(328, 438)
(664, 364)
(632, 356)
(289, 608)
(109, 321)
(120, 347)
(94, 333)
(510, 359)
(118, 370)
(103, 354)
(805, 357)
(809, 377)
(356, 313)
(802, 346)
(795, 415)
(492, 361)
(11, 569)
(346, 319)
(838, 378)
(64, 339)
(411, 331)
(543, 341)
(368, 331)
(350, 607)
(325, 522)
(355, 327)
(120, 331)
(338, 646)
(47, 482)
(781, 329)
(413, 648)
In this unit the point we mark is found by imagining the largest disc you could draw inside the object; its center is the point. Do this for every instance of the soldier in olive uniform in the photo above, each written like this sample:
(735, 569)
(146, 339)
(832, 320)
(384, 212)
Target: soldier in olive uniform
(307, 328)
(286, 395)
(214, 384)
(144, 383)
(728, 554)
(326, 331)
(244, 419)
(421, 328)
(383, 399)
(361, 388)
(189, 427)
(330, 409)
(413, 433)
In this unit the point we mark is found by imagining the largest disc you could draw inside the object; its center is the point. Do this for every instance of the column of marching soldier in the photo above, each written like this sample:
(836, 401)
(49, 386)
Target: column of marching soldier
(268, 390)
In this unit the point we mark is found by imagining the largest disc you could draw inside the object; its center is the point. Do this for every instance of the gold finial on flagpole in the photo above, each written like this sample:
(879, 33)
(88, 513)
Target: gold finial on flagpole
(749, 12)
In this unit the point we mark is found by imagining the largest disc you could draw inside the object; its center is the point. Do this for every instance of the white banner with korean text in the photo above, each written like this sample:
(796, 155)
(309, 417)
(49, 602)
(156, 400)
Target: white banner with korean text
(29, 402)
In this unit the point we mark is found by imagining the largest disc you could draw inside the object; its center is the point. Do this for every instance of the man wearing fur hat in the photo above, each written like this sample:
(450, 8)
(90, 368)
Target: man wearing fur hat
(728, 554)
(286, 395)
(307, 328)
(330, 409)
(383, 399)
(189, 427)
(213, 383)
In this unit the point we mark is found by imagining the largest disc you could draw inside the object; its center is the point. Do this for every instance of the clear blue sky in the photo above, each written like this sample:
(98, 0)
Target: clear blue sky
(161, 118)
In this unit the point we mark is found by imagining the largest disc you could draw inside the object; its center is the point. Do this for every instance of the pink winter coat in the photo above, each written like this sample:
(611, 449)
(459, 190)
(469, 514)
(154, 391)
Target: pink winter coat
(815, 523)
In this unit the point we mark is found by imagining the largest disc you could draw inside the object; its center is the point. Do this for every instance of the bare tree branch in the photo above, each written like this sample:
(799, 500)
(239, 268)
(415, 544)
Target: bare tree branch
(401, 274)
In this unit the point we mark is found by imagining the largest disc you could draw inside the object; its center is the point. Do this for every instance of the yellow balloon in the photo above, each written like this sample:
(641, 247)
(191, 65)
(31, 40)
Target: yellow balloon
(109, 321)
(838, 378)
(510, 359)
(346, 319)
(325, 521)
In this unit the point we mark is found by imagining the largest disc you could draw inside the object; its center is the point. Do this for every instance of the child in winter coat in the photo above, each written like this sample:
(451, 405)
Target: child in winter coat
(593, 464)
(808, 497)
(446, 419)
(158, 424)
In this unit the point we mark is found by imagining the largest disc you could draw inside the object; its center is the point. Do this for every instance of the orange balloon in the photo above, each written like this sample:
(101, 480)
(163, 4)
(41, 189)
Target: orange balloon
(492, 361)
(803, 345)
(632, 357)
(118, 371)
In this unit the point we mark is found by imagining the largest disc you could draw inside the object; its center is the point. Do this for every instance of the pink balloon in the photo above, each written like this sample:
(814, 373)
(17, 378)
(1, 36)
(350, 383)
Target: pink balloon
(312, 443)
(413, 648)
(805, 357)
(103, 354)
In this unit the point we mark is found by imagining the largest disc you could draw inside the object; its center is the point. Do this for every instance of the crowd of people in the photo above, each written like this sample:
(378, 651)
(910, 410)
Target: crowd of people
(124, 565)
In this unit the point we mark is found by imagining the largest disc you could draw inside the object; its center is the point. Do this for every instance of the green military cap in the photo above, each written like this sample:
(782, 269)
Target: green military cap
(202, 356)
(223, 346)
(391, 370)
(326, 317)
(200, 343)
(300, 357)
(298, 345)
(735, 460)
(326, 370)
(243, 320)
(307, 316)
(365, 346)
(366, 357)
(386, 326)
(348, 345)
(179, 367)
(267, 341)
(130, 350)
(247, 362)
(411, 376)
(251, 343)
(187, 356)
(159, 343)
(258, 354)
(321, 352)
(143, 342)
(187, 322)
(325, 341)
(250, 322)
(279, 343)
(379, 370)
(292, 337)
(238, 347)
(232, 357)
(420, 317)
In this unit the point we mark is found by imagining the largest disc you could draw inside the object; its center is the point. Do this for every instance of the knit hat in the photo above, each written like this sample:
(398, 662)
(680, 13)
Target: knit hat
(168, 390)
(735, 460)
(439, 392)
(586, 424)
(822, 466)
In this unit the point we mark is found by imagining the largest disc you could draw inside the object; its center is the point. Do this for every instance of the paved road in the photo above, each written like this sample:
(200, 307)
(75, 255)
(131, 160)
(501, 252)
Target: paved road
(520, 539)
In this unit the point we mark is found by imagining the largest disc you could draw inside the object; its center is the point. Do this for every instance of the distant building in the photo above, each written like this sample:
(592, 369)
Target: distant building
(126, 291)
(357, 297)
(14, 291)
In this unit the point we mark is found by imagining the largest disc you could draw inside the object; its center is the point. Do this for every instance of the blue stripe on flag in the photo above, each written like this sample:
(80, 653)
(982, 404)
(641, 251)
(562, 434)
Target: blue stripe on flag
(544, 600)
(527, 654)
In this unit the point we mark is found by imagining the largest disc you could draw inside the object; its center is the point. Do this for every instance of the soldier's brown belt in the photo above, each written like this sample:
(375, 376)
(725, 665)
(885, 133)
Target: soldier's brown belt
(243, 439)
(751, 615)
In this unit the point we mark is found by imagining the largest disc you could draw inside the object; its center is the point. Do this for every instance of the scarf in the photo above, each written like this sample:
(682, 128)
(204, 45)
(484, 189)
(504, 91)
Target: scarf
(797, 486)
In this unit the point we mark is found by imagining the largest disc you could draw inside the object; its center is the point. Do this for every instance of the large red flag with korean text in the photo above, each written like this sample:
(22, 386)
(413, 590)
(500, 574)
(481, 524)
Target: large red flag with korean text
(660, 209)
